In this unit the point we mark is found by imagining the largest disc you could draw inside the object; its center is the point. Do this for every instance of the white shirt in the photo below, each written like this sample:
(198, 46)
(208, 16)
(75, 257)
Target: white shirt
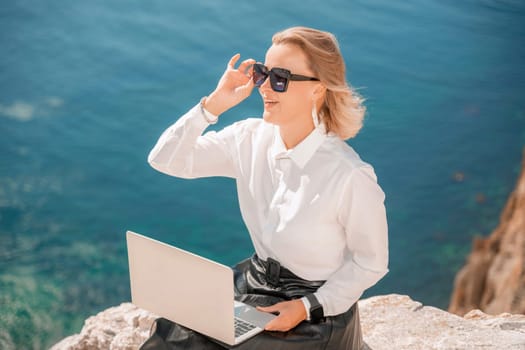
(316, 208)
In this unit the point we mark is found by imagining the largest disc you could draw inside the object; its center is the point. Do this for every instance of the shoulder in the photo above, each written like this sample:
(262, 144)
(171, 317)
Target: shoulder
(250, 128)
(349, 162)
(245, 134)
(357, 177)
(250, 125)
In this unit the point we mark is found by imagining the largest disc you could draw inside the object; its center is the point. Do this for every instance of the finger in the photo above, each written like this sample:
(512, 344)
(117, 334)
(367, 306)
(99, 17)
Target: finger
(272, 308)
(248, 87)
(277, 324)
(234, 60)
(245, 65)
(271, 326)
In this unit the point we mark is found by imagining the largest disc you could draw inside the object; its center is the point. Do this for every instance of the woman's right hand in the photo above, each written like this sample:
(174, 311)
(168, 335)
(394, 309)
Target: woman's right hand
(235, 85)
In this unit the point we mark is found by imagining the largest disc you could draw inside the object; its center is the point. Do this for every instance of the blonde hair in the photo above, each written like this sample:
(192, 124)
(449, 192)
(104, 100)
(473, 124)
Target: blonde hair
(342, 111)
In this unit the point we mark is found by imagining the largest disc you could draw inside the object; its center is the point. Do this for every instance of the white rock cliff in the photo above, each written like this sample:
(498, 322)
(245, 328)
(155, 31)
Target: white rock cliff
(388, 322)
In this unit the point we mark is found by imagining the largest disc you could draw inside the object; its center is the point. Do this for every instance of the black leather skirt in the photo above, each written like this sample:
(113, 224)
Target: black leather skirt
(254, 285)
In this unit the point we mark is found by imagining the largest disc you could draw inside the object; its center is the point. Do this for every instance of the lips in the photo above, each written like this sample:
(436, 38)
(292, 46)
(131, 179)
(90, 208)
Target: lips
(269, 103)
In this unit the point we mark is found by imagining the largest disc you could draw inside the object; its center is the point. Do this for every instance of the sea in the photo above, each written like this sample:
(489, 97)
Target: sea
(87, 87)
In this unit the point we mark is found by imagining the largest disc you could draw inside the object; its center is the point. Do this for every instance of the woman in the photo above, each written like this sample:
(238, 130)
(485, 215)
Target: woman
(313, 208)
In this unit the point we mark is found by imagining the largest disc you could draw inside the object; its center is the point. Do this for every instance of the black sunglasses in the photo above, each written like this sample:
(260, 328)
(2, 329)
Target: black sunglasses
(279, 77)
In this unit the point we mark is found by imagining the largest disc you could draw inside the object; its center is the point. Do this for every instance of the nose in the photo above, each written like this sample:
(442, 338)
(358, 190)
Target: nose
(266, 85)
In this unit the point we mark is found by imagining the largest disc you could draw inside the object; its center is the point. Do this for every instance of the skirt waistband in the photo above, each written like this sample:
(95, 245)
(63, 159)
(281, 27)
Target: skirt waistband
(276, 275)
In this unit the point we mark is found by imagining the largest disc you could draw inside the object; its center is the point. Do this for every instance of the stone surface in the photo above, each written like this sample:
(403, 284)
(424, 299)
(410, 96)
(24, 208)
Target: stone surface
(123, 327)
(398, 322)
(389, 322)
(493, 278)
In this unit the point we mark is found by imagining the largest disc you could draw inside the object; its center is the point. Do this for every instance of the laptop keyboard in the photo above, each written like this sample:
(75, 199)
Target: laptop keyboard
(242, 327)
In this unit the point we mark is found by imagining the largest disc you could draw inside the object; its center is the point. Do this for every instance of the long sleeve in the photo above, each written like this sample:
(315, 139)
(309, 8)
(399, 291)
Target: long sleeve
(183, 151)
(362, 213)
(280, 205)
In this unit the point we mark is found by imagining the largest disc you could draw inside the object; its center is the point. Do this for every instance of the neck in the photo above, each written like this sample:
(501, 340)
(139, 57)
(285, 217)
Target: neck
(293, 134)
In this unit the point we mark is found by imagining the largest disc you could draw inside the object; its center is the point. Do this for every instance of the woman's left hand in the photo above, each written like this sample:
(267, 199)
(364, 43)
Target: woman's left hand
(291, 313)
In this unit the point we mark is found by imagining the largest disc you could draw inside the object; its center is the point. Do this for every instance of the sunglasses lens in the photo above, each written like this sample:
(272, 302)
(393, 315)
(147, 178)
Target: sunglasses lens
(278, 77)
(260, 74)
(279, 80)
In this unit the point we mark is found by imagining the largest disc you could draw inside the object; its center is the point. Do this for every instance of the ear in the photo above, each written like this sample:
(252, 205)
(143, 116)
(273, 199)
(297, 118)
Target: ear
(319, 92)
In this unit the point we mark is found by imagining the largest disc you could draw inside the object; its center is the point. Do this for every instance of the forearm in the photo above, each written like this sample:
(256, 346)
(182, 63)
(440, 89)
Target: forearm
(183, 151)
(346, 286)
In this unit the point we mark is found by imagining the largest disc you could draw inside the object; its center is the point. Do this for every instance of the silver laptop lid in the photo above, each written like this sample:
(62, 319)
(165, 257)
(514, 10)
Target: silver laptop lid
(182, 287)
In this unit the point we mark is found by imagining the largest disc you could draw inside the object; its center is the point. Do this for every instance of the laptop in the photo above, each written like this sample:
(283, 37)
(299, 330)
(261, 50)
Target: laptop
(190, 290)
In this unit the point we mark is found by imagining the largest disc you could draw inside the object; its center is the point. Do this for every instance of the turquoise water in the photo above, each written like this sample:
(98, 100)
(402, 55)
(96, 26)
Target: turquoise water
(87, 87)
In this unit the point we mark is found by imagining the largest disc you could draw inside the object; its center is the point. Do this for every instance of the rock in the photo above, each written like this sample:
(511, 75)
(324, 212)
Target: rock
(398, 322)
(388, 322)
(123, 327)
(493, 278)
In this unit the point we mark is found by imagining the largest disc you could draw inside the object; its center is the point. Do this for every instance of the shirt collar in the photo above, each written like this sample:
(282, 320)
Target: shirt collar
(301, 153)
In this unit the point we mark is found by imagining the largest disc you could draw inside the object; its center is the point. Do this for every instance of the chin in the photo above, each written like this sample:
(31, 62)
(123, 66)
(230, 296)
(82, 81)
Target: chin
(270, 118)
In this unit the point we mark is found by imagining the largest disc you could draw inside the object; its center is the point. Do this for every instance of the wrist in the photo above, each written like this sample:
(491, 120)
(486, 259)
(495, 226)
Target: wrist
(207, 115)
(212, 105)
(306, 305)
(316, 309)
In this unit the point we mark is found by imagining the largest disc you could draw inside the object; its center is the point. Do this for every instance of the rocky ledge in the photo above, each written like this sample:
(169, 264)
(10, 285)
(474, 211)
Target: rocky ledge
(388, 322)
(493, 279)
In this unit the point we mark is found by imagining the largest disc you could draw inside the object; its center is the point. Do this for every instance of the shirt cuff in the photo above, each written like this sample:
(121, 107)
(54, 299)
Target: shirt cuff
(307, 307)
(208, 116)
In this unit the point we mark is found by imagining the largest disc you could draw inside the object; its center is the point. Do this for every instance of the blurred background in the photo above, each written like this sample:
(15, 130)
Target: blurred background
(88, 87)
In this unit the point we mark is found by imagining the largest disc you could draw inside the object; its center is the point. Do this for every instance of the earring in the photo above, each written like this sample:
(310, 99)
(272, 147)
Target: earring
(315, 116)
